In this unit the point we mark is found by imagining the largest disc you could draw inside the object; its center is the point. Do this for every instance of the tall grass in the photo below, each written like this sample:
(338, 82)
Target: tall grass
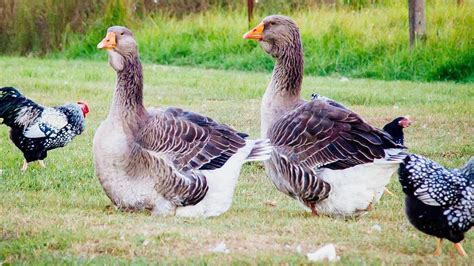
(39, 27)
(368, 43)
(354, 38)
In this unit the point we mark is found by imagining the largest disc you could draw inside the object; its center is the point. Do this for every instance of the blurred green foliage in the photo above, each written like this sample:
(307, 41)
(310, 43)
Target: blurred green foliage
(358, 38)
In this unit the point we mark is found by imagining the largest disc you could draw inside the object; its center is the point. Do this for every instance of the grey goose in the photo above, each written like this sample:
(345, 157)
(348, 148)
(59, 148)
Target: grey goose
(169, 161)
(324, 155)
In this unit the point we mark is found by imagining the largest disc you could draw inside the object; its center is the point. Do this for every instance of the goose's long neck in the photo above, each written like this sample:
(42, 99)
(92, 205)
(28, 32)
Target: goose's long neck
(128, 97)
(288, 74)
(284, 91)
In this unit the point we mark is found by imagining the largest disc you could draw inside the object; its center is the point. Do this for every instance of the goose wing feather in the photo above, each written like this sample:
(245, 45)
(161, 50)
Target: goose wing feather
(190, 141)
(319, 134)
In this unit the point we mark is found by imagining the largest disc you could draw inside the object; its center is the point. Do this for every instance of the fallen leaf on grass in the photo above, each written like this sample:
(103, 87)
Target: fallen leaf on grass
(220, 248)
(376, 228)
(270, 203)
(299, 249)
(327, 252)
(110, 209)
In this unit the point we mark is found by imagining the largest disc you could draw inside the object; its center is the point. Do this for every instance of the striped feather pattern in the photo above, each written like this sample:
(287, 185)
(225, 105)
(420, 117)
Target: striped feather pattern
(170, 161)
(189, 140)
(318, 134)
(181, 144)
(318, 143)
(302, 184)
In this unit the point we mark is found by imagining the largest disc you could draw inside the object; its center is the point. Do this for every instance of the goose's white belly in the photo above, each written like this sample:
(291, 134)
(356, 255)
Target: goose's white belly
(111, 149)
(354, 189)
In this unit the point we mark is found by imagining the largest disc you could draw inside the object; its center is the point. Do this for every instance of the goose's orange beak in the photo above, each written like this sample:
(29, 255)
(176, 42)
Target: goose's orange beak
(109, 42)
(255, 33)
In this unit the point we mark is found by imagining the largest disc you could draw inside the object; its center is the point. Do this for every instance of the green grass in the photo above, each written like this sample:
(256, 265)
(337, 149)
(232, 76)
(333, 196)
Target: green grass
(372, 42)
(59, 215)
(357, 40)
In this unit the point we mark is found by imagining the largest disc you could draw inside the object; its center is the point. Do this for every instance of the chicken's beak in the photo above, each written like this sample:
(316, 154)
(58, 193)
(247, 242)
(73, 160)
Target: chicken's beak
(405, 122)
(255, 33)
(407, 117)
(109, 42)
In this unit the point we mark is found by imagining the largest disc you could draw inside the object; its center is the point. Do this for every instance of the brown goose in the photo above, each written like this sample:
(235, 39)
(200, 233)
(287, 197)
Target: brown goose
(169, 161)
(324, 155)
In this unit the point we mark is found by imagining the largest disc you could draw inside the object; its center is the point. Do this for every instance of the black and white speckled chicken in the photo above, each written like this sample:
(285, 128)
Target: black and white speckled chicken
(36, 129)
(439, 201)
(395, 128)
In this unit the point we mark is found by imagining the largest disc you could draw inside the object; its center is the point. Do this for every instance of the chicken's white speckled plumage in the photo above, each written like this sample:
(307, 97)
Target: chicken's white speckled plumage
(36, 129)
(437, 186)
(439, 201)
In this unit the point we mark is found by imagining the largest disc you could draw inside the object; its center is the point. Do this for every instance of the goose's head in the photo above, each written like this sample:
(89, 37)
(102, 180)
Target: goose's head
(277, 35)
(120, 44)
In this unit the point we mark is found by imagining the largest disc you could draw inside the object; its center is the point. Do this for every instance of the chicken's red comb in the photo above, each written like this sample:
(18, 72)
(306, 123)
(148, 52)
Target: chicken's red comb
(85, 107)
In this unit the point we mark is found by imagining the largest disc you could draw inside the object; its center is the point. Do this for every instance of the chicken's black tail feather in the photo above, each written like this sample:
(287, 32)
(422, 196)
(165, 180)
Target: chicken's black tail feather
(12, 103)
(468, 169)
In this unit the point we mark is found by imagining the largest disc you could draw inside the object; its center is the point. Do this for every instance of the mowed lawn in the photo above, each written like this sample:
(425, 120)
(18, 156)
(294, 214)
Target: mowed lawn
(61, 215)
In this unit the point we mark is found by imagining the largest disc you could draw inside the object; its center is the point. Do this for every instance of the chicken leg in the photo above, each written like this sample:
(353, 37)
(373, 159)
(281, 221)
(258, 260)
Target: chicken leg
(25, 166)
(460, 250)
(439, 247)
(41, 163)
(388, 192)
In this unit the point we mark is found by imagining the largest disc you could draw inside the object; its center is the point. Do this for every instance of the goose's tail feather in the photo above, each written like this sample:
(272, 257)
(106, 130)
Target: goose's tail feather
(393, 156)
(261, 150)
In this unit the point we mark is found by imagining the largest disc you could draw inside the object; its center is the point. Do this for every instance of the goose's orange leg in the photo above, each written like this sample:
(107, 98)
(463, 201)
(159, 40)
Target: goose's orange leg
(313, 209)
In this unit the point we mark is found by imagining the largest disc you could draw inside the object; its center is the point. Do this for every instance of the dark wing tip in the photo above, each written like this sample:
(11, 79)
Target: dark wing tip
(243, 135)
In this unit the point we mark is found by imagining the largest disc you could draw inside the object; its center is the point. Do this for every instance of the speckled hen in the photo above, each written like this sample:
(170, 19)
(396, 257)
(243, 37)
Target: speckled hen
(439, 201)
(36, 129)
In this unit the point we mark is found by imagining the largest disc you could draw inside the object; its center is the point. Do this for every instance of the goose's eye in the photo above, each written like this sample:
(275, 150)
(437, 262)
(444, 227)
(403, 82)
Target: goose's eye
(272, 23)
(122, 33)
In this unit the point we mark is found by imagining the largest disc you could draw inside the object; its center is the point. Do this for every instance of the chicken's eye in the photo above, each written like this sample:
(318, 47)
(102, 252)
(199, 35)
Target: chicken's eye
(272, 23)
